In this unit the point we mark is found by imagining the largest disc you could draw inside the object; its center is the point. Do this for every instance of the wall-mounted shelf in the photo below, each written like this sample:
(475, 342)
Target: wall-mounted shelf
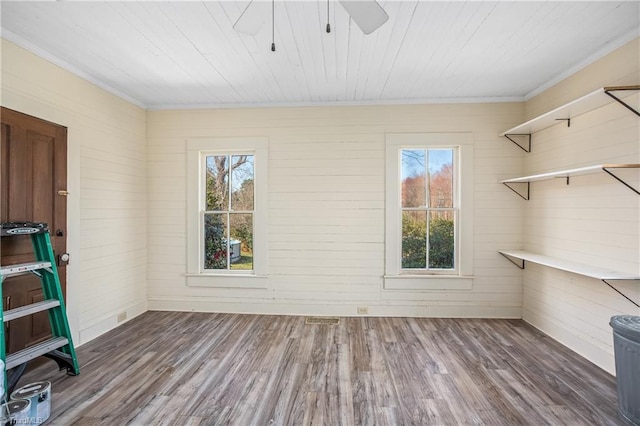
(567, 174)
(570, 110)
(598, 273)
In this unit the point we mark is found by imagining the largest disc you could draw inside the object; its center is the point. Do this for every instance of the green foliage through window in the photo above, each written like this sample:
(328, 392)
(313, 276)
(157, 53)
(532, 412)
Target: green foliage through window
(229, 212)
(428, 209)
(414, 243)
(441, 244)
(215, 243)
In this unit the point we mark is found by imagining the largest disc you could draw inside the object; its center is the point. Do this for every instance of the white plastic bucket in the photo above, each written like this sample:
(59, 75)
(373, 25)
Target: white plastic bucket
(39, 394)
(19, 411)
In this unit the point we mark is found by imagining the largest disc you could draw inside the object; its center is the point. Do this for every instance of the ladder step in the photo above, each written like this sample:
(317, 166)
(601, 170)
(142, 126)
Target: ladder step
(20, 357)
(9, 229)
(34, 308)
(59, 348)
(23, 268)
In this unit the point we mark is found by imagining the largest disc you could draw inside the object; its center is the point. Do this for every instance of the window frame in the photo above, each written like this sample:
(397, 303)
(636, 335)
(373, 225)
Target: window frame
(428, 209)
(203, 211)
(397, 278)
(197, 151)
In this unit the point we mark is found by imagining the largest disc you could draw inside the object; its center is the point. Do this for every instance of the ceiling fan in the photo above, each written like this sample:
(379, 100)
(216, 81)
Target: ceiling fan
(367, 14)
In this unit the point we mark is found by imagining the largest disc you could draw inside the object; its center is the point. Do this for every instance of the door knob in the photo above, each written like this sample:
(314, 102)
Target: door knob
(63, 259)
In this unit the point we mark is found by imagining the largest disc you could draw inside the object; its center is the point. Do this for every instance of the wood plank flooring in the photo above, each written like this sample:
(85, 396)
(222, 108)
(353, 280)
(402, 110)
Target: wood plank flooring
(176, 368)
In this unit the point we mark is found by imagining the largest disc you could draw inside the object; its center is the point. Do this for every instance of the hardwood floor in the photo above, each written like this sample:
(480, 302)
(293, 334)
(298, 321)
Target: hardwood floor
(178, 368)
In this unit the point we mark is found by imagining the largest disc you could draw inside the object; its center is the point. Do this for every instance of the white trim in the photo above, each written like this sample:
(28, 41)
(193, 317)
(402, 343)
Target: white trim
(227, 281)
(599, 54)
(257, 278)
(335, 308)
(74, 284)
(19, 41)
(108, 322)
(393, 279)
(433, 282)
(586, 348)
(378, 102)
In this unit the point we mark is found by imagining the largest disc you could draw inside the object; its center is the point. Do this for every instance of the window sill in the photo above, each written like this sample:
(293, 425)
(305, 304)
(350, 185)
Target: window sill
(427, 282)
(227, 281)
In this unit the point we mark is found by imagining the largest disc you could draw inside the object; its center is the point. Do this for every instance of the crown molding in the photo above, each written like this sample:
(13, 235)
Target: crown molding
(601, 53)
(19, 41)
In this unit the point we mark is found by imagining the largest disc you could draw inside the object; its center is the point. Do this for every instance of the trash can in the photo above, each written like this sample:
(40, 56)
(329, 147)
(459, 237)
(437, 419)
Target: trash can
(626, 346)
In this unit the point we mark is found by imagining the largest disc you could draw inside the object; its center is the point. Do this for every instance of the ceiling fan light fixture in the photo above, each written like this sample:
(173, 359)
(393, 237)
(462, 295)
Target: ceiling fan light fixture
(252, 18)
(273, 25)
(328, 25)
(367, 14)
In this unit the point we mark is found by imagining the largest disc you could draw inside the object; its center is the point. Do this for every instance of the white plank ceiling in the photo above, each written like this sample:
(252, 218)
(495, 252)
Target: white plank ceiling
(186, 54)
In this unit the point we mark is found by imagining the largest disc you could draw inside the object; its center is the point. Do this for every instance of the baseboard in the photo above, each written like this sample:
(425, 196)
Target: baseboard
(343, 310)
(582, 347)
(109, 322)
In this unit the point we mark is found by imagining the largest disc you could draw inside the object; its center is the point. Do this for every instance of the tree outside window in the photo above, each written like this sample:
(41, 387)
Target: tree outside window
(229, 212)
(428, 209)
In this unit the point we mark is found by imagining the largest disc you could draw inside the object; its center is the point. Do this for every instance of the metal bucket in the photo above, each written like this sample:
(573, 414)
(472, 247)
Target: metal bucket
(39, 394)
(19, 411)
(1, 380)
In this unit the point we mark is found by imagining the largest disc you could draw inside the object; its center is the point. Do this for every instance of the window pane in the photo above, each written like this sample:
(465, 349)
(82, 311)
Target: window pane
(216, 184)
(441, 240)
(414, 187)
(242, 183)
(215, 241)
(440, 178)
(414, 239)
(241, 243)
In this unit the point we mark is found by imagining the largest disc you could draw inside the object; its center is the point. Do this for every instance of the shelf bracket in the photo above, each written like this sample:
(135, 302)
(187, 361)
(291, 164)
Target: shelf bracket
(610, 173)
(510, 259)
(526, 148)
(523, 195)
(568, 120)
(608, 91)
(621, 293)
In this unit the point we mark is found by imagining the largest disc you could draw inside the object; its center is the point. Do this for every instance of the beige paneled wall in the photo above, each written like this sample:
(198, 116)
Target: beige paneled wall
(326, 216)
(594, 220)
(107, 211)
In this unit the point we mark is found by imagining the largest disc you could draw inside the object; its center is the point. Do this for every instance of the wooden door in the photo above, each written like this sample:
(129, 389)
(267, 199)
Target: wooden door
(33, 171)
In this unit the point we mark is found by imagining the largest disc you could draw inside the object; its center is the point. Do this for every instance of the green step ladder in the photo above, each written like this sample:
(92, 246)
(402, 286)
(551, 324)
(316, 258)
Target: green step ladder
(60, 346)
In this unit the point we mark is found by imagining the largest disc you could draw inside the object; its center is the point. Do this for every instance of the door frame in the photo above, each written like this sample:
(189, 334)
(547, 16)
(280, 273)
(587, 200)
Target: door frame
(60, 204)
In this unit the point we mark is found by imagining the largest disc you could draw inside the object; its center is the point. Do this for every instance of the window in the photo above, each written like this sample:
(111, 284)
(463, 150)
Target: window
(429, 211)
(227, 219)
(227, 212)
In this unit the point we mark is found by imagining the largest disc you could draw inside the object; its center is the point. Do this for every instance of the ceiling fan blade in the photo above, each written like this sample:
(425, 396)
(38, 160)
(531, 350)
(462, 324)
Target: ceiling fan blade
(367, 14)
(253, 17)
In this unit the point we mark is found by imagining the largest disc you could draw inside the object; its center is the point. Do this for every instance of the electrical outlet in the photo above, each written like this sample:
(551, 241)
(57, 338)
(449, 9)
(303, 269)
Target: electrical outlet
(363, 310)
(122, 316)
